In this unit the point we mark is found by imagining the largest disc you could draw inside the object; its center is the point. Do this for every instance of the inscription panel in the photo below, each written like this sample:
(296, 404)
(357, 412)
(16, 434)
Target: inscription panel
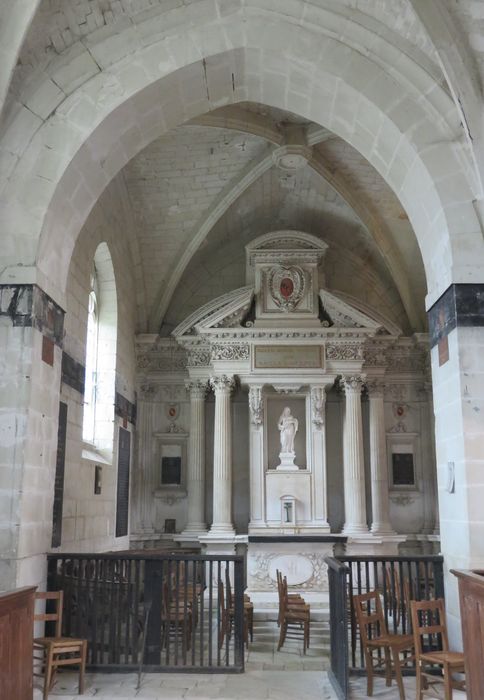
(288, 357)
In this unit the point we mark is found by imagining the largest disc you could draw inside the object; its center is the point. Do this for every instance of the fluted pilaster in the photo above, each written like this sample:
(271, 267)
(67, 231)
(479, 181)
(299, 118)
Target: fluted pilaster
(354, 467)
(378, 460)
(222, 456)
(196, 459)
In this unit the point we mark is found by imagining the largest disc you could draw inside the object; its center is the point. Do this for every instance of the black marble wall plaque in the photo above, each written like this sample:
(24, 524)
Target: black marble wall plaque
(122, 499)
(124, 408)
(28, 305)
(460, 305)
(59, 476)
(73, 373)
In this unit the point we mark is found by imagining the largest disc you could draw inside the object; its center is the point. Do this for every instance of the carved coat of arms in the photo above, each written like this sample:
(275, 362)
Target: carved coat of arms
(287, 286)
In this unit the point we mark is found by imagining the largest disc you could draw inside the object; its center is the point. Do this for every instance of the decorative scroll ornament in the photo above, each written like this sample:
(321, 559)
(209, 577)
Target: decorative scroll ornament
(344, 351)
(376, 388)
(352, 385)
(287, 286)
(222, 384)
(197, 389)
(198, 358)
(256, 405)
(230, 352)
(317, 406)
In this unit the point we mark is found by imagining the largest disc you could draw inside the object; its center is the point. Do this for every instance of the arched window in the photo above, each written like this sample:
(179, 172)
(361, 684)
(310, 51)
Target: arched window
(101, 341)
(91, 362)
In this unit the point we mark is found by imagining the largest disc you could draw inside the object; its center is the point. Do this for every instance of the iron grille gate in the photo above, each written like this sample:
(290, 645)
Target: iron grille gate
(168, 612)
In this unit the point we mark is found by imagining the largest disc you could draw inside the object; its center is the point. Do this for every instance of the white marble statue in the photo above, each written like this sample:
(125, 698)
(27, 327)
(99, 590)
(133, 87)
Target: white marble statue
(288, 426)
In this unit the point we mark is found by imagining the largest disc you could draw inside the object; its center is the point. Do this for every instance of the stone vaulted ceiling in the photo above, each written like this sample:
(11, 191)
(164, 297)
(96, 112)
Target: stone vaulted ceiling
(213, 185)
(199, 193)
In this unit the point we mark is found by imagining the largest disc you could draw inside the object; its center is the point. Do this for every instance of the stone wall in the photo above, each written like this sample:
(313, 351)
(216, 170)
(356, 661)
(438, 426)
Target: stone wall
(88, 518)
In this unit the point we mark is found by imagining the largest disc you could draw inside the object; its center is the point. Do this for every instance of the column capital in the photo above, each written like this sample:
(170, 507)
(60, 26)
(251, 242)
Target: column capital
(318, 400)
(256, 405)
(197, 388)
(352, 384)
(375, 387)
(222, 384)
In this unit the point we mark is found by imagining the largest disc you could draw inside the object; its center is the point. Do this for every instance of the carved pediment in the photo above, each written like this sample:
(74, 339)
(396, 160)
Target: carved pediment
(227, 310)
(343, 315)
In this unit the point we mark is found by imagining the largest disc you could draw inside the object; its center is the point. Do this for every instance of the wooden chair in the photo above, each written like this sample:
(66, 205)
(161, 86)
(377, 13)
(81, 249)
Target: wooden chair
(294, 619)
(248, 611)
(292, 598)
(374, 636)
(174, 616)
(428, 620)
(58, 651)
(227, 616)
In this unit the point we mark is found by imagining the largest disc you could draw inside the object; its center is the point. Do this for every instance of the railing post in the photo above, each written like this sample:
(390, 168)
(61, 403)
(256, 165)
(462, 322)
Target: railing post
(439, 579)
(239, 613)
(338, 624)
(153, 585)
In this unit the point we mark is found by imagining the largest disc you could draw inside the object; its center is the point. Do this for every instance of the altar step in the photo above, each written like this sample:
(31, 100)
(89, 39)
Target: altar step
(266, 605)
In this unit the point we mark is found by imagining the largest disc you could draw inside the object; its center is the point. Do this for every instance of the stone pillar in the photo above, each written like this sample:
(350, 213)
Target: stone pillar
(144, 480)
(222, 457)
(354, 466)
(431, 503)
(256, 438)
(196, 460)
(319, 493)
(378, 461)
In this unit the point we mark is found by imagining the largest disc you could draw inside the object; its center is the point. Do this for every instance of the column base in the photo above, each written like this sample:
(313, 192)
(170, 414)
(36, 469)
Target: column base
(191, 535)
(351, 529)
(382, 530)
(222, 530)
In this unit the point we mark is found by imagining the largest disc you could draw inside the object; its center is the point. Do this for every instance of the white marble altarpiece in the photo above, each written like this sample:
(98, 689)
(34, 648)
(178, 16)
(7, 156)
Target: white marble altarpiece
(286, 340)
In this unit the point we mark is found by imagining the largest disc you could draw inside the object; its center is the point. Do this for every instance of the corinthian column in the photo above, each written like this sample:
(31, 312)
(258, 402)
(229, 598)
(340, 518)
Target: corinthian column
(378, 461)
(196, 460)
(222, 457)
(354, 467)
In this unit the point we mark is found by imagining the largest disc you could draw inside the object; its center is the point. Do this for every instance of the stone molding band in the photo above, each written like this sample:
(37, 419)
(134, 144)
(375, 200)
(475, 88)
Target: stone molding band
(460, 305)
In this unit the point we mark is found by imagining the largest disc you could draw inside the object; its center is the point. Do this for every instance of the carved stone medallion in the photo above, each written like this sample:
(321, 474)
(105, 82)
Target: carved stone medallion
(287, 286)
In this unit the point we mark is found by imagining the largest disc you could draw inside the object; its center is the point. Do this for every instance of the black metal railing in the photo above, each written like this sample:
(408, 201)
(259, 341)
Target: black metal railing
(399, 579)
(338, 625)
(161, 611)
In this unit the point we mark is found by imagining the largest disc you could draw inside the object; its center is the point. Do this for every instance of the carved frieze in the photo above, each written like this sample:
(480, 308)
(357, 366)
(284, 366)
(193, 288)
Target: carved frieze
(344, 351)
(199, 357)
(230, 352)
(312, 566)
(166, 359)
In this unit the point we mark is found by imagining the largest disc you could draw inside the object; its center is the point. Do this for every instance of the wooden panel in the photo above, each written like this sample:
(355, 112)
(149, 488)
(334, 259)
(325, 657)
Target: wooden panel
(471, 593)
(59, 476)
(16, 634)
(122, 500)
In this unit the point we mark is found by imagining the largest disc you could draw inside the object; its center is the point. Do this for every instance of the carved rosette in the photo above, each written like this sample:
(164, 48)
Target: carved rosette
(197, 389)
(286, 286)
(375, 387)
(222, 384)
(352, 384)
(230, 352)
(318, 398)
(256, 406)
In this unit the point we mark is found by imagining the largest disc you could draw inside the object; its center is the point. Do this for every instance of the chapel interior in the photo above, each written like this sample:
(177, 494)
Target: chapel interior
(242, 283)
